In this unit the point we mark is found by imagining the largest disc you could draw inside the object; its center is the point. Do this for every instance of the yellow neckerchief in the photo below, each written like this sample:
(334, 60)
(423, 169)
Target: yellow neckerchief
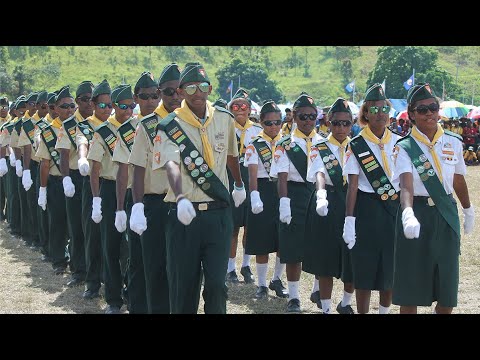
(56, 123)
(419, 136)
(78, 116)
(342, 148)
(96, 121)
(189, 117)
(297, 133)
(6, 119)
(48, 118)
(161, 111)
(27, 115)
(324, 128)
(35, 117)
(112, 120)
(288, 128)
(248, 124)
(269, 139)
(387, 136)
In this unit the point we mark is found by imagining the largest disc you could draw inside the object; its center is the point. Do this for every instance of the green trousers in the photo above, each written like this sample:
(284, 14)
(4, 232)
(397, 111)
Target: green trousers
(75, 230)
(25, 217)
(32, 204)
(15, 219)
(3, 198)
(42, 218)
(57, 222)
(204, 243)
(240, 214)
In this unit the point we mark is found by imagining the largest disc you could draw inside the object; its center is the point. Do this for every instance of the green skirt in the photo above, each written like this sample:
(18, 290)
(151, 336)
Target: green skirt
(292, 236)
(427, 268)
(326, 254)
(240, 214)
(262, 234)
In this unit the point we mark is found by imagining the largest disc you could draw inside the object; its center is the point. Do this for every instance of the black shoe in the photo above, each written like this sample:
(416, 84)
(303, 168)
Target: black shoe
(247, 275)
(111, 309)
(277, 286)
(344, 309)
(232, 277)
(75, 282)
(262, 292)
(59, 270)
(293, 306)
(90, 294)
(315, 298)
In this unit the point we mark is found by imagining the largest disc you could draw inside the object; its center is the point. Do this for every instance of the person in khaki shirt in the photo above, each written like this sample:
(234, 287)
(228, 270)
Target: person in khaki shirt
(4, 118)
(191, 243)
(149, 213)
(51, 189)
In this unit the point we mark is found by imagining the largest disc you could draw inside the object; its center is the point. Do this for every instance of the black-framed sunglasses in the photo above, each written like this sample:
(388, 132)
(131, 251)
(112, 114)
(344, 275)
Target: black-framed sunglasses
(103, 105)
(169, 91)
(66, 106)
(423, 109)
(272, 122)
(305, 117)
(84, 99)
(376, 109)
(236, 107)
(344, 123)
(126, 106)
(192, 88)
(146, 96)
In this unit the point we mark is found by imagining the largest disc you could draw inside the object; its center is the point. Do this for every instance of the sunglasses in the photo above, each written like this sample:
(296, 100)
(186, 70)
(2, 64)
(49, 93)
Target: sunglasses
(423, 109)
(51, 107)
(125, 106)
(154, 96)
(5, 107)
(344, 123)
(168, 91)
(103, 105)
(84, 99)
(66, 106)
(376, 109)
(236, 107)
(272, 122)
(305, 117)
(192, 89)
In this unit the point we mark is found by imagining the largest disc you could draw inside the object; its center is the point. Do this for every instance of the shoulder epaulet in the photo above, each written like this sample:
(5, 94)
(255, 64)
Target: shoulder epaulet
(403, 138)
(148, 117)
(355, 138)
(66, 121)
(448, 132)
(101, 126)
(166, 120)
(284, 139)
(126, 122)
(321, 141)
(219, 108)
(256, 138)
(257, 125)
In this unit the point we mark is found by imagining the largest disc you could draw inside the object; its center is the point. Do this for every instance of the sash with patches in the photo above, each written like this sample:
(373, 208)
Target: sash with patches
(70, 127)
(296, 156)
(18, 126)
(127, 134)
(108, 136)
(375, 174)
(86, 129)
(42, 124)
(198, 169)
(50, 139)
(150, 125)
(9, 128)
(264, 153)
(29, 129)
(432, 183)
(333, 167)
(241, 152)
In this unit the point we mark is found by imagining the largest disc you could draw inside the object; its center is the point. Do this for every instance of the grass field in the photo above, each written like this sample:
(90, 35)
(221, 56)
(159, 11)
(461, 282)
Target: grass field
(28, 285)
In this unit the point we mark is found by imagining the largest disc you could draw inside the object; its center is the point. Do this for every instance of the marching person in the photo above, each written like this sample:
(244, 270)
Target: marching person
(429, 167)
(287, 122)
(326, 254)
(262, 239)
(4, 119)
(372, 203)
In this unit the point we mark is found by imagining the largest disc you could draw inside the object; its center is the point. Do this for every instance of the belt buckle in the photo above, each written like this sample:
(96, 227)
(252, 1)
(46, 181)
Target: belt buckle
(430, 202)
(203, 206)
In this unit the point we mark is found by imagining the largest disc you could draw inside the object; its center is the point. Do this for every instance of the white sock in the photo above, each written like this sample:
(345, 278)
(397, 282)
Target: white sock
(231, 265)
(326, 304)
(315, 286)
(383, 310)
(246, 260)
(347, 298)
(293, 290)
(279, 269)
(262, 274)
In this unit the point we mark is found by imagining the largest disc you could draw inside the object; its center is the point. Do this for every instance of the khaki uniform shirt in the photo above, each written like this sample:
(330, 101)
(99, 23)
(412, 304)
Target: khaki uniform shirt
(64, 142)
(42, 153)
(81, 139)
(14, 137)
(23, 139)
(99, 152)
(121, 152)
(4, 134)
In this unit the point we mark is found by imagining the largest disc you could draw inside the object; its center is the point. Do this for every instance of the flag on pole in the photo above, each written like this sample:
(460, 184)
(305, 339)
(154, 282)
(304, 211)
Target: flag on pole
(350, 86)
(230, 87)
(409, 83)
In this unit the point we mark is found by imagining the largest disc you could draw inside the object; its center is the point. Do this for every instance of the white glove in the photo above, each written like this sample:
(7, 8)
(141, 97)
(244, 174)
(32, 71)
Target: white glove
(42, 198)
(27, 180)
(322, 202)
(68, 187)
(138, 221)
(83, 166)
(469, 220)
(185, 211)
(239, 195)
(97, 209)
(12, 158)
(256, 202)
(19, 168)
(121, 221)
(349, 231)
(3, 166)
(411, 226)
(285, 211)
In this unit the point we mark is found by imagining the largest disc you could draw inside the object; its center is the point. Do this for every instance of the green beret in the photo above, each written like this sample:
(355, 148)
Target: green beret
(269, 106)
(51, 98)
(85, 87)
(221, 103)
(32, 97)
(21, 102)
(3, 100)
(169, 72)
(102, 88)
(340, 105)
(242, 94)
(193, 72)
(304, 100)
(418, 92)
(64, 92)
(375, 92)
(122, 92)
(146, 80)
(42, 97)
